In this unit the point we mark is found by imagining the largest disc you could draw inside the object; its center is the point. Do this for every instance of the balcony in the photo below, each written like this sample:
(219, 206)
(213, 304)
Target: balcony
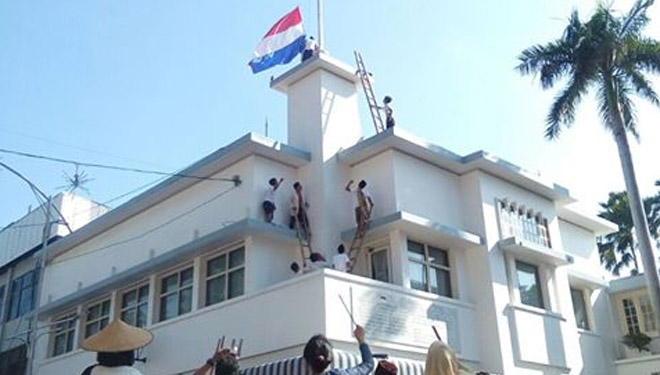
(276, 322)
(533, 252)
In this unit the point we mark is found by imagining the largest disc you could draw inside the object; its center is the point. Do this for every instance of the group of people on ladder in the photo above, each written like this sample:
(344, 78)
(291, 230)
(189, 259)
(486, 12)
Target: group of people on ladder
(299, 221)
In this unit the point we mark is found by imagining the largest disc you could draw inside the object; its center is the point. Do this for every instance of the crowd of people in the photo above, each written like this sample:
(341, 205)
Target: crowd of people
(116, 344)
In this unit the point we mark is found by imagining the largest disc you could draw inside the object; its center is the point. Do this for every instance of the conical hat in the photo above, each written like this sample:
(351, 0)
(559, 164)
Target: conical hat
(118, 337)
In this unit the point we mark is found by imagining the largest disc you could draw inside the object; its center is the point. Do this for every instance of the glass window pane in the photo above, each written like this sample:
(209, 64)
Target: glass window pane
(91, 328)
(440, 282)
(236, 283)
(416, 251)
(380, 266)
(438, 256)
(579, 308)
(630, 315)
(417, 274)
(216, 265)
(169, 284)
(93, 312)
(105, 308)
(141, 319)
(186, 277)
(59, 346)
(128, 316)
(69, 341)
(237, 258)
(215, 290)
(129, 299)
(185, 301)
(143, 294)
(528, 285)
(168, 307)
(647, 313)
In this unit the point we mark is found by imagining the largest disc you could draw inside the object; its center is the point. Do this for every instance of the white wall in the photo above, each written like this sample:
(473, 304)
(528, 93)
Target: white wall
(428, 191)
(581, 243)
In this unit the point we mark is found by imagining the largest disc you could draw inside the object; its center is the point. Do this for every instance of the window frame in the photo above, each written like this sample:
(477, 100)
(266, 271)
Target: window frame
(135, 288)
(429, 266)
(386, 251)
(584, 297)
(70, 319)
(18, 302)
(158, 317)
(206, 278)
(538, 280)
(640, 316)
(87, 322)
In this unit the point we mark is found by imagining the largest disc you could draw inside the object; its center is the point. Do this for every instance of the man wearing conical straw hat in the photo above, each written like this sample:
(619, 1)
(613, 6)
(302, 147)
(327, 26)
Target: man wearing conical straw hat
(115, 346)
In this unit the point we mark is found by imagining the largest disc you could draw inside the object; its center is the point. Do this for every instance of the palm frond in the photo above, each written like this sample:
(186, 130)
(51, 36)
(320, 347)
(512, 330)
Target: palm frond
(636, 18)
(552, 61)
(641, 85)
(562, 111)
(644, 54)
(607, 101)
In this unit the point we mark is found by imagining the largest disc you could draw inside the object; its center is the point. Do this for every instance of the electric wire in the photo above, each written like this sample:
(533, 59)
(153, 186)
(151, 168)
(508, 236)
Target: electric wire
(145, 233)
(115, 167)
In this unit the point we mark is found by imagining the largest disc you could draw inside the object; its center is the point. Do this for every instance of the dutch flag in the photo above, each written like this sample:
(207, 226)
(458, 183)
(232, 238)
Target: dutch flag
(281, 44)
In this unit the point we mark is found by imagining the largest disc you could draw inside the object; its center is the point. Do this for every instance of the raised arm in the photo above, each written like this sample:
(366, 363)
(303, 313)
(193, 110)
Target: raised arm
(367, 364)
(278, 183)
(208, 366)
(348, 185)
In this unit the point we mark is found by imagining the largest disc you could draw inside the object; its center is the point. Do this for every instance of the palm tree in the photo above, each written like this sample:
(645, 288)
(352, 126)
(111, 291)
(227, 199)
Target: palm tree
(609, 53)
(619, 249)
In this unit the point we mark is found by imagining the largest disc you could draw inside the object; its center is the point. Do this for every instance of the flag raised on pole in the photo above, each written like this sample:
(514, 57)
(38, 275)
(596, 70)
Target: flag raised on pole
(284, 41)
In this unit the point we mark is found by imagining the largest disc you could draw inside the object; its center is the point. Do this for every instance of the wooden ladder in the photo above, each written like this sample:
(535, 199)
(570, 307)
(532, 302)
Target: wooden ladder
(369, 92)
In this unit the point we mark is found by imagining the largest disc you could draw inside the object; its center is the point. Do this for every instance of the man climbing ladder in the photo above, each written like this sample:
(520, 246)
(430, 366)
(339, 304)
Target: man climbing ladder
(363, 208)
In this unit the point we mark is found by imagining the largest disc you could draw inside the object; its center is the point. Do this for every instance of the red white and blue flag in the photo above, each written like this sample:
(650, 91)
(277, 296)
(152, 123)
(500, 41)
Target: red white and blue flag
(281, 44)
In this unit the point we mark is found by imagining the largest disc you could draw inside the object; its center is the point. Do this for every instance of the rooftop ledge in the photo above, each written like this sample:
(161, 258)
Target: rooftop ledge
(410, 223)
(407, 143)
(320, 61)
(232, 232)
(526, 250)
(249, 144)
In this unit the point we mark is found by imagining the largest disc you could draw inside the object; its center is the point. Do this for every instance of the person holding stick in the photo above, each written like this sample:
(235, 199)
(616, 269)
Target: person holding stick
(441, 360)
(224, 361)
(318, 356)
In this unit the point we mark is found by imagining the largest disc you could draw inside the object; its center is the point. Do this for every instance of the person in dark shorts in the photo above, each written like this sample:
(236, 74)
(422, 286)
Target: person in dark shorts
(269, 199)
(389, 112)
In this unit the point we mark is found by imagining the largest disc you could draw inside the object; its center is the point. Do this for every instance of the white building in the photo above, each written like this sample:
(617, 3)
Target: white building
(20, 246)
(492, 255)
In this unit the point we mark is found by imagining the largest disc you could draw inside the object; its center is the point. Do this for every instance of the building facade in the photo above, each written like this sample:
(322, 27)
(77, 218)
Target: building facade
(495, 257)
(20, 246)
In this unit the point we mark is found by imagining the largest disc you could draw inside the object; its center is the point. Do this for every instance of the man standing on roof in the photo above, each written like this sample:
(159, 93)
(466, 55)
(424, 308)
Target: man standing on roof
(269, 199)
(341, 261)
(363, 205)
(310, 48)
(389, 112)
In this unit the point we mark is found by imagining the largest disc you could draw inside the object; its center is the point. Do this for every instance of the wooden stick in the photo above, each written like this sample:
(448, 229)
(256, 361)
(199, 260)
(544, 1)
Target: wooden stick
(240, 347)
(436, 333)
(219, 344)
(347, 310)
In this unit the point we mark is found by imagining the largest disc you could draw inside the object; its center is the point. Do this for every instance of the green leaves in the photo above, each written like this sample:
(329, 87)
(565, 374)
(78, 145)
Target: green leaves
(608, 52)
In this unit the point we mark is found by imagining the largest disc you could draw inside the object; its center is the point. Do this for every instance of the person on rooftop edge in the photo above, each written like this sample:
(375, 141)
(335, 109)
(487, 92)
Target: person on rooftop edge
(115, 346)
(318, 356)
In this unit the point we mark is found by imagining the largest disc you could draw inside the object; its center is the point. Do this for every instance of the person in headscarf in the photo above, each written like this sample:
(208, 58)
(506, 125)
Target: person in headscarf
(115, 346)
(441, 360)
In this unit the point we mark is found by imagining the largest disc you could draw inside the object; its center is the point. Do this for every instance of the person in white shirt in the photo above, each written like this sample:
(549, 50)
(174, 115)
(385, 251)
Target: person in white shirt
(389, 112)
(269, 199)
(341, 261)
(363, 204)
(310, 48)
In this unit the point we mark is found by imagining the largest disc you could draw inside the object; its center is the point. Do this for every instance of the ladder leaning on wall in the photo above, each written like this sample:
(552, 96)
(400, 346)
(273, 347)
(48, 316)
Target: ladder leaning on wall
(365, 78)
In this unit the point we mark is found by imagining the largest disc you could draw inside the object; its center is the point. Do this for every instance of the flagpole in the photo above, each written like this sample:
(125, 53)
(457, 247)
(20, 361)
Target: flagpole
(319, 14)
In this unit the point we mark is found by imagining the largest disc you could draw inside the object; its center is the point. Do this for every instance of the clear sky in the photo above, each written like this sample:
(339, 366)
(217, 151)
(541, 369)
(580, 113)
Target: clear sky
(160, 84)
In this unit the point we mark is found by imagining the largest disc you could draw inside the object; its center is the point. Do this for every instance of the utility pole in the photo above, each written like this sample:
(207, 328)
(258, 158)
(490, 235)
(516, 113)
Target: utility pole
(39, 271)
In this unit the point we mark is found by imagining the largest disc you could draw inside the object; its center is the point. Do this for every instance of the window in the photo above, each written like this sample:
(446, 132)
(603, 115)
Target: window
(14, 361)
(637, 313)
(516, 221)
(529, 285)
(579, 308)
(225, 276)
(97, 317)
(21, 299)
(135, 305)
(428, 268)
(176, 294)
(380, 268)
(2, 299)
(65, 329)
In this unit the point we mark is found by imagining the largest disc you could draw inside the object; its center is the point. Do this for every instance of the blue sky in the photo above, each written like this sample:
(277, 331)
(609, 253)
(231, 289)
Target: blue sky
(160, 84)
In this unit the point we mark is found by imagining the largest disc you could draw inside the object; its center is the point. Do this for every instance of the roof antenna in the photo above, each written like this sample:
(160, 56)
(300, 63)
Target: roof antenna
(266, 126)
